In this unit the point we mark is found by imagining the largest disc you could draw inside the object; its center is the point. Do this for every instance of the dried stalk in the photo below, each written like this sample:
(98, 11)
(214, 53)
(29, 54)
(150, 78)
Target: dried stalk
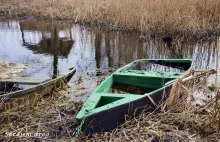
(181, 84)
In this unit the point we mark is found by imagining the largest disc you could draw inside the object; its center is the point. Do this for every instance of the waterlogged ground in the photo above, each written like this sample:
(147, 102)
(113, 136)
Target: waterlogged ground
(51, 48)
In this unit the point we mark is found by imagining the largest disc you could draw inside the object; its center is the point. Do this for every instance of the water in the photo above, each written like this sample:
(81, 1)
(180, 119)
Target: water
(158, 67)
(129, 89)
(51, 49)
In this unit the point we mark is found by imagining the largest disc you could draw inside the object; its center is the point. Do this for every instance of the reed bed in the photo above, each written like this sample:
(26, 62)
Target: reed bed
(167, 16)
(53, 118)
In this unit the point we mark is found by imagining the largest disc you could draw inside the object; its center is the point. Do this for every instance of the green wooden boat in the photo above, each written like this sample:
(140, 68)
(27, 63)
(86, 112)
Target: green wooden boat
(126, 92)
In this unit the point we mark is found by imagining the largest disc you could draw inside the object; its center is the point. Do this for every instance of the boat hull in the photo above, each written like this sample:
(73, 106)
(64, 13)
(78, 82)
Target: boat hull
(16, 100)
(137, 87)
(112, 118)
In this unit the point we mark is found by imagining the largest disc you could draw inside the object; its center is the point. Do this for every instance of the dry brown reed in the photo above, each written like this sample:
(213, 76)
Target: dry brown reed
(180, 91)
(50, 118)
(53, 116)
(168, 16)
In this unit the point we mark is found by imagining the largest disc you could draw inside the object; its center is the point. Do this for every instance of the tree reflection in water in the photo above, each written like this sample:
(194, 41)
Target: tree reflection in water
(52, 45)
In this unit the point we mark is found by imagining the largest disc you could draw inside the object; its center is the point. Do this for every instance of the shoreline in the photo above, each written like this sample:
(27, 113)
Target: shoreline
(67, 12)
(143, 36)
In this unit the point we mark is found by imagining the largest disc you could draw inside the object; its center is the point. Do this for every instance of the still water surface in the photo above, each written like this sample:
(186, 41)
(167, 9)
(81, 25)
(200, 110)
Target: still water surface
(51, 48)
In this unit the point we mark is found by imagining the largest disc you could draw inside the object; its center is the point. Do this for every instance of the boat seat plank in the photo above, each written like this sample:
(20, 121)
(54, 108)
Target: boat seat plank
(24, 80)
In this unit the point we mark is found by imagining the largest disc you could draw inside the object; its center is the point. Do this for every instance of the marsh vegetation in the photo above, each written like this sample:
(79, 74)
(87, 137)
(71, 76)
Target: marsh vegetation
(92, 49)
(167, 16)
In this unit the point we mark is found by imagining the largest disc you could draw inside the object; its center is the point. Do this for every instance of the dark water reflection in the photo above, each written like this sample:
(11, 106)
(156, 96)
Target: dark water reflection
(52, 48)
(50, 43)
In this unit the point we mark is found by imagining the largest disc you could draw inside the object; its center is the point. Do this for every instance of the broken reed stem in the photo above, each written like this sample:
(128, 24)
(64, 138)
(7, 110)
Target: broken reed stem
(217, 56)
(180, 91)
(180, 87)
(152, 100)
(218, 110)
(216, 85)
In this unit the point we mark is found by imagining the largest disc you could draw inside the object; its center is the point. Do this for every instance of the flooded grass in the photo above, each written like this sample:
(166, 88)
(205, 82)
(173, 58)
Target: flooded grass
(168, 16)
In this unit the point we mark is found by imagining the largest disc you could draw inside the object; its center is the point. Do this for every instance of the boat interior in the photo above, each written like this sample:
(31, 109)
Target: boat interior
(19, 83)
(140, 78)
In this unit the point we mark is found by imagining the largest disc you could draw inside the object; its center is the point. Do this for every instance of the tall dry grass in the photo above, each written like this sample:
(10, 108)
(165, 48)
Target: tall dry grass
(143, 15)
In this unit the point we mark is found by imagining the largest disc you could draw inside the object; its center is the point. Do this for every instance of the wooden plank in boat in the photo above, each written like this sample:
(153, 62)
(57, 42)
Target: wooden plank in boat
(24, 80)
